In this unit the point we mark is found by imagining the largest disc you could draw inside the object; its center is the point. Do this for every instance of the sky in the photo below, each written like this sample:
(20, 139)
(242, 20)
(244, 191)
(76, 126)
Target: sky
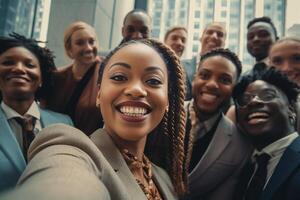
(292, 13)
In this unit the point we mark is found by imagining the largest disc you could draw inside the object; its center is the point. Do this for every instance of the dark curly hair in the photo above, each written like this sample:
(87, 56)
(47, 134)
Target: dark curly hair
(266, 20)
(44, 56)
(226, 53)
(271, 76)
(165, 145)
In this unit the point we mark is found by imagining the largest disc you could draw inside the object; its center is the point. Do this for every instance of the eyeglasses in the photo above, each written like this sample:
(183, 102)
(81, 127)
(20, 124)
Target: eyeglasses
(264, 96)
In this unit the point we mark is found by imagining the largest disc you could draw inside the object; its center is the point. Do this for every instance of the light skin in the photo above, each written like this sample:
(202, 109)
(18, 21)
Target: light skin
(20, 78)
(213, 85)
(285, 56)
(177, 41)
(136, 26)
(265, 122)
(260, 37)
(213, 37)
(83, 51)
(134, 93)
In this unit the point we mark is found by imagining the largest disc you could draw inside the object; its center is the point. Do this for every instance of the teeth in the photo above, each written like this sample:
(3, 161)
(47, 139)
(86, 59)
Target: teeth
(258, 115)
(133, 111)
(209, 97)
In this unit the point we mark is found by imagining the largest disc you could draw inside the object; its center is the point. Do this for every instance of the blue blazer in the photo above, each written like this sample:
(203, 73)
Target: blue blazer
(12, 162)
(285, 181)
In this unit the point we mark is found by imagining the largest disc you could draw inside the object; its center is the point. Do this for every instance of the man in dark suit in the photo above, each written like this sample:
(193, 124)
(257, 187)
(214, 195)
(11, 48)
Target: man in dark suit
(213, 36)
(266, 115)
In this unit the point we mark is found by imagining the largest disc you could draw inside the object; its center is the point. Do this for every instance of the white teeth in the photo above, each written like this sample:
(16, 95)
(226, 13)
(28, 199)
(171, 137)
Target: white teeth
(133, 111)
(209, 97)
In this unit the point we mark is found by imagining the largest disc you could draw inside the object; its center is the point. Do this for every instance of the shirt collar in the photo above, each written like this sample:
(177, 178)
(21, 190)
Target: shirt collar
(11, 113)
(278, 146)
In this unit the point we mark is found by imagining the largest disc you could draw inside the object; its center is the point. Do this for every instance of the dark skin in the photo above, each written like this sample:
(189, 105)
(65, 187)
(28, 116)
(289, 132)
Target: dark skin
(260, 37)
(20, 78)
(265, 122)
(136, 26)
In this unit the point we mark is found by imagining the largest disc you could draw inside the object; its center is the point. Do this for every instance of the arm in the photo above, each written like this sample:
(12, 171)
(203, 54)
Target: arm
(61, 167)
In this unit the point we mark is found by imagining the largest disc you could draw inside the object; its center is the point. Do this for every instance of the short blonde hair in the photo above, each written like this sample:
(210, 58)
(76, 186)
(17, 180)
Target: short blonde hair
(75, 26)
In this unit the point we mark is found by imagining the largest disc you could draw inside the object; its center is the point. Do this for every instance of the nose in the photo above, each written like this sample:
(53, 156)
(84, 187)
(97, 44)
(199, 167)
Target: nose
(136, 90)
(137, 35)
(88, 46)
(19, 67)
(255, 101)
(212, 84)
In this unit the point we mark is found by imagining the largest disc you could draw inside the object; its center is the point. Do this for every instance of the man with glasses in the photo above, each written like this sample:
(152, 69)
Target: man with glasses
(265, 114)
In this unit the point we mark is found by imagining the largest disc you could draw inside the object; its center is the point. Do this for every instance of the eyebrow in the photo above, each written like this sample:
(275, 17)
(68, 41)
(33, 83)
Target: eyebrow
(120, 64)
(153, 68)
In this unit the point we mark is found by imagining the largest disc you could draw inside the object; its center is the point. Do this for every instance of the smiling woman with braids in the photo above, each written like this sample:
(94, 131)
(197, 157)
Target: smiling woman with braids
(141, 92)
(24, 80)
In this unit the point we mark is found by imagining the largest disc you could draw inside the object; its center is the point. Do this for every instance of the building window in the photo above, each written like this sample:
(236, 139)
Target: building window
(195, 48)
(224, 3)
(197, 14)
(197, 25)
(223, 14)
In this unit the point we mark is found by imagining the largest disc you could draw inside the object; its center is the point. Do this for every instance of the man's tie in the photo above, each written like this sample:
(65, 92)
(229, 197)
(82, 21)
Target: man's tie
(257, 183)
(27, 123)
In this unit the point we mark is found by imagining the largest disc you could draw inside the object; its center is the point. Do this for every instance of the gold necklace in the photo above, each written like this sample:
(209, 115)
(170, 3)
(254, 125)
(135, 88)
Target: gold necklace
(149, 187)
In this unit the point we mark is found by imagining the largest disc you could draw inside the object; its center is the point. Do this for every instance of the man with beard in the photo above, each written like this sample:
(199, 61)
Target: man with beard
(176, 38)
(266, 116)
(213, 36)
(260, 37)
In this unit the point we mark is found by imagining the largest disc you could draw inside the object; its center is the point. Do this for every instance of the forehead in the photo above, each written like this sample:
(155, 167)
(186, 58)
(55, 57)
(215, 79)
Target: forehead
(219, 64)
(215, 27)
(260, 85)
(261, 26)
(178, 32)
(137, 18)
(19, 52)
(83, 34)
(138, 55)
(285, 47)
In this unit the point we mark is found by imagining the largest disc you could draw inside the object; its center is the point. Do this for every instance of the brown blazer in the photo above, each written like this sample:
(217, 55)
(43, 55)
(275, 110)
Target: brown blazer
(87, 116)
(66, 164)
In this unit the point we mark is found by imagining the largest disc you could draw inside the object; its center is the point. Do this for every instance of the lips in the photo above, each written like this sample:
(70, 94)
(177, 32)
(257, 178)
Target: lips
(257, 117)
(17, 78)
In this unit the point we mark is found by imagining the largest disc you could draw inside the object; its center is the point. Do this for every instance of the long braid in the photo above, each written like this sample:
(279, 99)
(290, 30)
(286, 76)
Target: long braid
(177, 123)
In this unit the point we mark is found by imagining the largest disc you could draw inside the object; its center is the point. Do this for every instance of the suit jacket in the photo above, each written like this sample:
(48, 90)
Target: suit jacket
(216, 174)
(190, 66)
(12, 162)
(285, 181)
(66, 164)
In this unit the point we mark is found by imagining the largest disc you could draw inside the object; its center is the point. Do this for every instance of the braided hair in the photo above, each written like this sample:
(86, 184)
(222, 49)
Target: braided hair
(44, 56)
(165, 145)
(266, 20)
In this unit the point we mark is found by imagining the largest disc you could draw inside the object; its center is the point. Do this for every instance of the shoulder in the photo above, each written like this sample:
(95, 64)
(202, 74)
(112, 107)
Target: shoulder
(55, 117)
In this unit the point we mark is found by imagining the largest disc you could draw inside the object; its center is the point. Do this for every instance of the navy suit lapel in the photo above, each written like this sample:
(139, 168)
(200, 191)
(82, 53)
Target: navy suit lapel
(287, 164)
(9, 145)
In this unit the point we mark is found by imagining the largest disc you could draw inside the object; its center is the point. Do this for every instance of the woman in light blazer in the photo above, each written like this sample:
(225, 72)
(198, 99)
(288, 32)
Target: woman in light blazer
(141, 92)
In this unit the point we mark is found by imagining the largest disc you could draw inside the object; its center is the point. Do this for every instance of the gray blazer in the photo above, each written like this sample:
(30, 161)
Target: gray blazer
(216, 175)
(66, 164)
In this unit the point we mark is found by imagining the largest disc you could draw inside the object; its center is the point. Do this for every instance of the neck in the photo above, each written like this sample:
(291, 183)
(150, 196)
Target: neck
(20, 107)
(80, 69)
(261, 142)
